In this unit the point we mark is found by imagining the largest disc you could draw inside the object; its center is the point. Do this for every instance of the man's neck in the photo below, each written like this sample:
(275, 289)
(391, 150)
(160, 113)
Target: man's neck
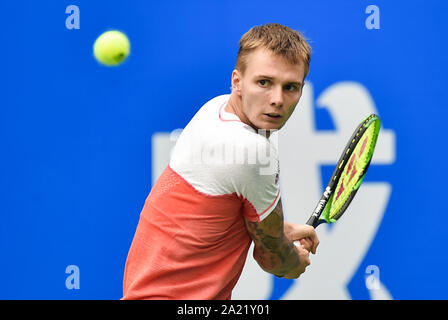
(234, 105)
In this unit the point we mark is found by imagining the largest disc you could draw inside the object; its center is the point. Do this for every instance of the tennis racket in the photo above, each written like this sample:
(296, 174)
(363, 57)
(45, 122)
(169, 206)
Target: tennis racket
(349, 173)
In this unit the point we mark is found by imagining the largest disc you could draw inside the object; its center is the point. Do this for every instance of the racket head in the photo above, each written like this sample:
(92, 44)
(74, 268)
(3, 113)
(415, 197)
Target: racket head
(350, 170)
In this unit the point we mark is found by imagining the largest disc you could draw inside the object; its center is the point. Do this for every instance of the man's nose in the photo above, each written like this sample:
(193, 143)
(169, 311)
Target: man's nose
(277, 97)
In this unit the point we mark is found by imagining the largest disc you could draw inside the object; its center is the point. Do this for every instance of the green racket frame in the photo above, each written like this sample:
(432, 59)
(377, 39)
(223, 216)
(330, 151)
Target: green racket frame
(321, 213)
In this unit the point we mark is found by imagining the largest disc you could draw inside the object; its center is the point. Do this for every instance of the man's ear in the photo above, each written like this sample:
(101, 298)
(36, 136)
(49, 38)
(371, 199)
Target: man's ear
(236, 81)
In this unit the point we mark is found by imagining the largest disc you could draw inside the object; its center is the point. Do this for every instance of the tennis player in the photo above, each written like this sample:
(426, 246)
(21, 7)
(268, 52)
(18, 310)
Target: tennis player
(221, 190)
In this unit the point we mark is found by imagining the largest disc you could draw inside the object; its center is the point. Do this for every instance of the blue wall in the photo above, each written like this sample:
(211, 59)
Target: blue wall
(75, 165)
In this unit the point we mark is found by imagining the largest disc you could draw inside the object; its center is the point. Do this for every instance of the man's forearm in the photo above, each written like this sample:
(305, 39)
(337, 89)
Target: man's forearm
(278, 256)
(274, 251)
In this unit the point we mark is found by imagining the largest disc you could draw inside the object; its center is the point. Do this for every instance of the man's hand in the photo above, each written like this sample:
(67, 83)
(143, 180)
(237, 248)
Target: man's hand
(304, 261)
(303, 233)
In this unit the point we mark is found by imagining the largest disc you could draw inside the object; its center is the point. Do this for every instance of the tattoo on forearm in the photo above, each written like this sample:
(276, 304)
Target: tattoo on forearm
(273, 251)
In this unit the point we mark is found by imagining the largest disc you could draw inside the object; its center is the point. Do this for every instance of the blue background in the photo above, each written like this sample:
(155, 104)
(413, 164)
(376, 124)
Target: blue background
(75, 165)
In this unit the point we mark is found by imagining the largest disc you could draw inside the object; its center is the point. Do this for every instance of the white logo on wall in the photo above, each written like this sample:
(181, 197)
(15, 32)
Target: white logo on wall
(306, 149)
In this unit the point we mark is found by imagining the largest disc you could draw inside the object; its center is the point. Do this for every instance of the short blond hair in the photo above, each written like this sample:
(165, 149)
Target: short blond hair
(281, 40)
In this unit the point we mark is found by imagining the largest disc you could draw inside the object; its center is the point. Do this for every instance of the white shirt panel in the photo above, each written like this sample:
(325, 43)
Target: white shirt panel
(218, 154)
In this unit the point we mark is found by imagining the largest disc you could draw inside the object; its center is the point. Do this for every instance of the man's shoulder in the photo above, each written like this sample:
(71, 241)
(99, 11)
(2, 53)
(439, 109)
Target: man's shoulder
(213, 106)
(212, 124)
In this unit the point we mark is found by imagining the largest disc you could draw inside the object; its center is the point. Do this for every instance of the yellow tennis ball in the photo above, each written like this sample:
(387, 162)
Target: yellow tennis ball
(111, 48)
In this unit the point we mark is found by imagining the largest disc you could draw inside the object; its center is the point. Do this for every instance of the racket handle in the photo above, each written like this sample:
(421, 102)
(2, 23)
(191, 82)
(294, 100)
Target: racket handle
(312, 221)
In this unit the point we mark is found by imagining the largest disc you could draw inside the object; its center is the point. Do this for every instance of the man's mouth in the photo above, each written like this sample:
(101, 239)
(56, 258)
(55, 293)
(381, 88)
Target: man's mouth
(273, 115)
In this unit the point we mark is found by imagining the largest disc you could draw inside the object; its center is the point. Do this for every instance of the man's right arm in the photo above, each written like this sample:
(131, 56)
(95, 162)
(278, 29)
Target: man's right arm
(273, 250)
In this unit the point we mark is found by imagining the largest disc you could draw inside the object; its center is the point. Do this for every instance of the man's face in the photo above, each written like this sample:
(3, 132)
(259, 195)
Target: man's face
(270, 89)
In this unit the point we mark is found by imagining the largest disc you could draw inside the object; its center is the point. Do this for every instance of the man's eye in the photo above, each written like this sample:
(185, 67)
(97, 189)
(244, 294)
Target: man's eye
(290, 87)
(263, 83)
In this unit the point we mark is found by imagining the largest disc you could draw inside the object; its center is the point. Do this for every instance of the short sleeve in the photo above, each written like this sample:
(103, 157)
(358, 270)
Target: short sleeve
(226, 157)
(256, 181)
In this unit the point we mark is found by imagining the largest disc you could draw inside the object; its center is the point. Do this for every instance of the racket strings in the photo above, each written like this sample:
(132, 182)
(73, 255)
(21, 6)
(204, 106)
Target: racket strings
(354, 169)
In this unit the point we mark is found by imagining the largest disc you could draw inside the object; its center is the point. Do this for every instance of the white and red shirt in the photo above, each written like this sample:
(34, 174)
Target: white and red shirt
(191, 241)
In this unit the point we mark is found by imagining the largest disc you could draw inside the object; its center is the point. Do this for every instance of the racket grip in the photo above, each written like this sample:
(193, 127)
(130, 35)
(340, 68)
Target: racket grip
(312, 221)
